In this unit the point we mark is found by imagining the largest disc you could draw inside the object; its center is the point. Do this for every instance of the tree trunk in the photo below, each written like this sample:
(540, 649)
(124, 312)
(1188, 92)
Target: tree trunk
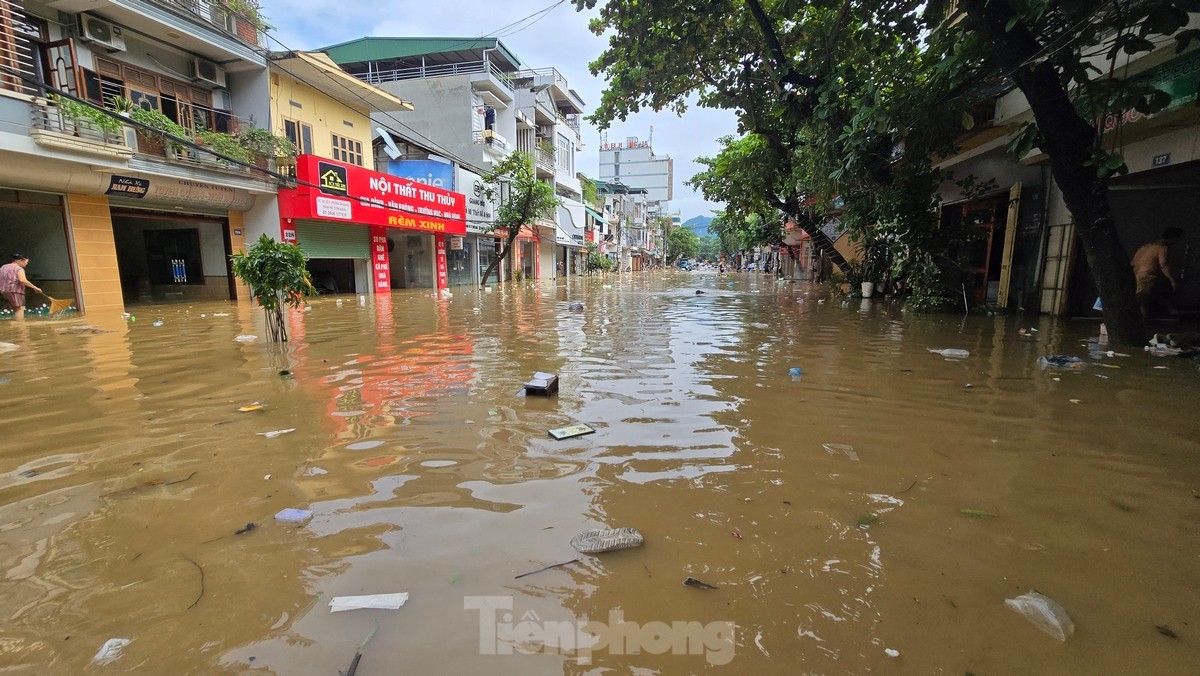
(1069, 141)
(512, 237)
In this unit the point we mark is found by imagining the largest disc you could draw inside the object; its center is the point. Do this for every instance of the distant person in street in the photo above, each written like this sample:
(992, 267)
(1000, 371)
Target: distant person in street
(1152, 270)
(13, 284)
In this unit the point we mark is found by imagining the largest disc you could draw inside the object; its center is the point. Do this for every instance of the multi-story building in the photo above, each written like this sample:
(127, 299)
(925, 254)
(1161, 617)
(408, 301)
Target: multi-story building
(628, 214)
(475, 104)
(109, 210)
(634, 163)
(364, 231)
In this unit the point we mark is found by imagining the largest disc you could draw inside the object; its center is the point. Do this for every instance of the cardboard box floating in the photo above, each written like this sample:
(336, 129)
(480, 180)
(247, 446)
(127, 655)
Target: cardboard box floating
(542, 384)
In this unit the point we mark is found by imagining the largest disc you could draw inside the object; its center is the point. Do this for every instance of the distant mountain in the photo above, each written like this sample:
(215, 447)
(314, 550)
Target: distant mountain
(698, 224)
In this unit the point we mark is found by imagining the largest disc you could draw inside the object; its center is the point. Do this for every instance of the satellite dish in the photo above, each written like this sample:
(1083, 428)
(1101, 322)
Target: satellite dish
(389, 143)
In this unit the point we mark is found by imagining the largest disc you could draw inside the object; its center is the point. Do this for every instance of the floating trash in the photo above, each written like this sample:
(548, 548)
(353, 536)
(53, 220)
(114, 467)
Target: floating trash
(795, 371)
(1044, 612)
(256, 406)
(363, 445)
(111, 650)
(606, 540)
(571, 431)
(276, 433)
(1061, 361)
(697, 584)
(368, 602)
(951, 353)
(843, 449)
(245, 338)
(293, 515)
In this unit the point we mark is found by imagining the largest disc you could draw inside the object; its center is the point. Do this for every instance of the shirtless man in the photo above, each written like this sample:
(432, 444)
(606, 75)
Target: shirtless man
(1152, 270)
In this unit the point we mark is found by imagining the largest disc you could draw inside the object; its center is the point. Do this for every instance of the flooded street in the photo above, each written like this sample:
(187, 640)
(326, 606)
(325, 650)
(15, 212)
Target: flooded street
(888, 499)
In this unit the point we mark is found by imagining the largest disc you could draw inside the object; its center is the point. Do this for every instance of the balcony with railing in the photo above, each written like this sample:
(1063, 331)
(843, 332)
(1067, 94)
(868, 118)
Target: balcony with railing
(545, 160)
(55, 129)
(485, 73)
(240, 19)
(565, 98)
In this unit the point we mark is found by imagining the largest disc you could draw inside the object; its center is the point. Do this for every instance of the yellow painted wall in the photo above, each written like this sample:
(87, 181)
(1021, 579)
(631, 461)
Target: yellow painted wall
(324, 113)
(237, 244)
(95, 254)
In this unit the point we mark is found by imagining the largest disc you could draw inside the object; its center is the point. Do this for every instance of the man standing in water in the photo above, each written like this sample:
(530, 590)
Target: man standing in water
(1152, 270)
(13, 284)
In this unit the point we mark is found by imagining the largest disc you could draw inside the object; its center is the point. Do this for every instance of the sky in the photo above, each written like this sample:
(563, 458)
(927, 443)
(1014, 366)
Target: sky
(559, 38)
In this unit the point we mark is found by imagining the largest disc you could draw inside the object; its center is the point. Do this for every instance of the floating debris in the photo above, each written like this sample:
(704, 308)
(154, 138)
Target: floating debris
(256, 406)
(1044, 612)
(571, 431)
(977, 513)
(1061, 361)
(293, 515)
(697, 584)
(951, 353)
(276, 433)
(111, 650)
(368, 602)
(606, 540)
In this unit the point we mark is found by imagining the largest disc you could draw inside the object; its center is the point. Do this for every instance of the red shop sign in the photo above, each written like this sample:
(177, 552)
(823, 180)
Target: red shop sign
(335, 191)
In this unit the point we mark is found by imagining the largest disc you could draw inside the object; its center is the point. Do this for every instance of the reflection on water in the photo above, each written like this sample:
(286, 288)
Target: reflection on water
(872, 514)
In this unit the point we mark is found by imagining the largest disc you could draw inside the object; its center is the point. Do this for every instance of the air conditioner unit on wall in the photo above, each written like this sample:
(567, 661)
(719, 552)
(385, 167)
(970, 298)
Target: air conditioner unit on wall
(101, 32)
(208, 72)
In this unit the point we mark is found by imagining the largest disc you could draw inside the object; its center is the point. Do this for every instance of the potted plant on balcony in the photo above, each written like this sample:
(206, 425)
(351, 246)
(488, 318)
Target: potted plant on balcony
(223, 144)
(152, 141)
(77, 113)
(264, 146)
(248, 18)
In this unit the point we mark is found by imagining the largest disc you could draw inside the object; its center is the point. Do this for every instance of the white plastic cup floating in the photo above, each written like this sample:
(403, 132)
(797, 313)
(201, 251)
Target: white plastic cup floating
(362, 300)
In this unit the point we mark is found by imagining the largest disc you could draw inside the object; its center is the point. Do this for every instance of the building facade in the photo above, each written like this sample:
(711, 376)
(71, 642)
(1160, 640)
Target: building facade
(111, 211)
(634, 163)
(475, 104)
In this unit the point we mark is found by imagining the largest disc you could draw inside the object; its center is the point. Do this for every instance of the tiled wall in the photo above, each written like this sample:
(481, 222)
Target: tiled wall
(237, 224)
(95, 254)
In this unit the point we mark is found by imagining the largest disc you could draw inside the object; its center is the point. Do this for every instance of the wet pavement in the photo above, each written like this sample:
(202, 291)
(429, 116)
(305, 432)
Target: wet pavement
(869, 515)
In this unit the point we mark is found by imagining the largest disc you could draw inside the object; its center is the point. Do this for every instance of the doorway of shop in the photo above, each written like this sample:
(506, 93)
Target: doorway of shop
(172, 257)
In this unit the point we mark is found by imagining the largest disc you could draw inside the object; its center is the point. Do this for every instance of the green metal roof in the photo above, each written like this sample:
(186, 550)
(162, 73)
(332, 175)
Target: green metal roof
(595, 214)
(392, 49)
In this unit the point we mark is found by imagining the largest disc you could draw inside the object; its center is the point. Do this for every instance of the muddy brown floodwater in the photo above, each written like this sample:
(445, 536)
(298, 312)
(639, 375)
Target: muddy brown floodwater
(827, 509)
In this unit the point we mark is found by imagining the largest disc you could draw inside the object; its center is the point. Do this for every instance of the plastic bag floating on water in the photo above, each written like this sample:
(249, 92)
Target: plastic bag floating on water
(245, 338)
(1044, 612)
(111, 650)
(951, 353)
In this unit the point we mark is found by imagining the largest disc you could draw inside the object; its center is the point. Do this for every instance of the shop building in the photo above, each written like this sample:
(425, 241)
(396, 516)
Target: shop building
(115, 214)
(326, 114)
(383, 231)
(475, 104)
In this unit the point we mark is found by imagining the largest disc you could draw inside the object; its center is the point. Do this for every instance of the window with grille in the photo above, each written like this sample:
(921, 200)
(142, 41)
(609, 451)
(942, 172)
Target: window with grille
(347, 150)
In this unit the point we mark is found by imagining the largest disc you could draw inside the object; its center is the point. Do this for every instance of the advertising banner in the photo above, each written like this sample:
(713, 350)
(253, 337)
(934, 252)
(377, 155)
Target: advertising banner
(380, 267)
(334, 191)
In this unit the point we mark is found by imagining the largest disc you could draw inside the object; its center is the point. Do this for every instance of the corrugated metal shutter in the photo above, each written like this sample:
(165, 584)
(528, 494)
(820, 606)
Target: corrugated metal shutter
(333, 240)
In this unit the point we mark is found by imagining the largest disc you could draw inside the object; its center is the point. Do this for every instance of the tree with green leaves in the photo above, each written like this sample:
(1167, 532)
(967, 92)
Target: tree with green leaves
(710, 248)
(1063, 55)
(682, 243)
(522, 200)
(278, 277)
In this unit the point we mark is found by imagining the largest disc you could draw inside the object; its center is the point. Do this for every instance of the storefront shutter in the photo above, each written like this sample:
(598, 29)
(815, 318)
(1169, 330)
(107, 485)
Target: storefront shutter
(333, 240)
